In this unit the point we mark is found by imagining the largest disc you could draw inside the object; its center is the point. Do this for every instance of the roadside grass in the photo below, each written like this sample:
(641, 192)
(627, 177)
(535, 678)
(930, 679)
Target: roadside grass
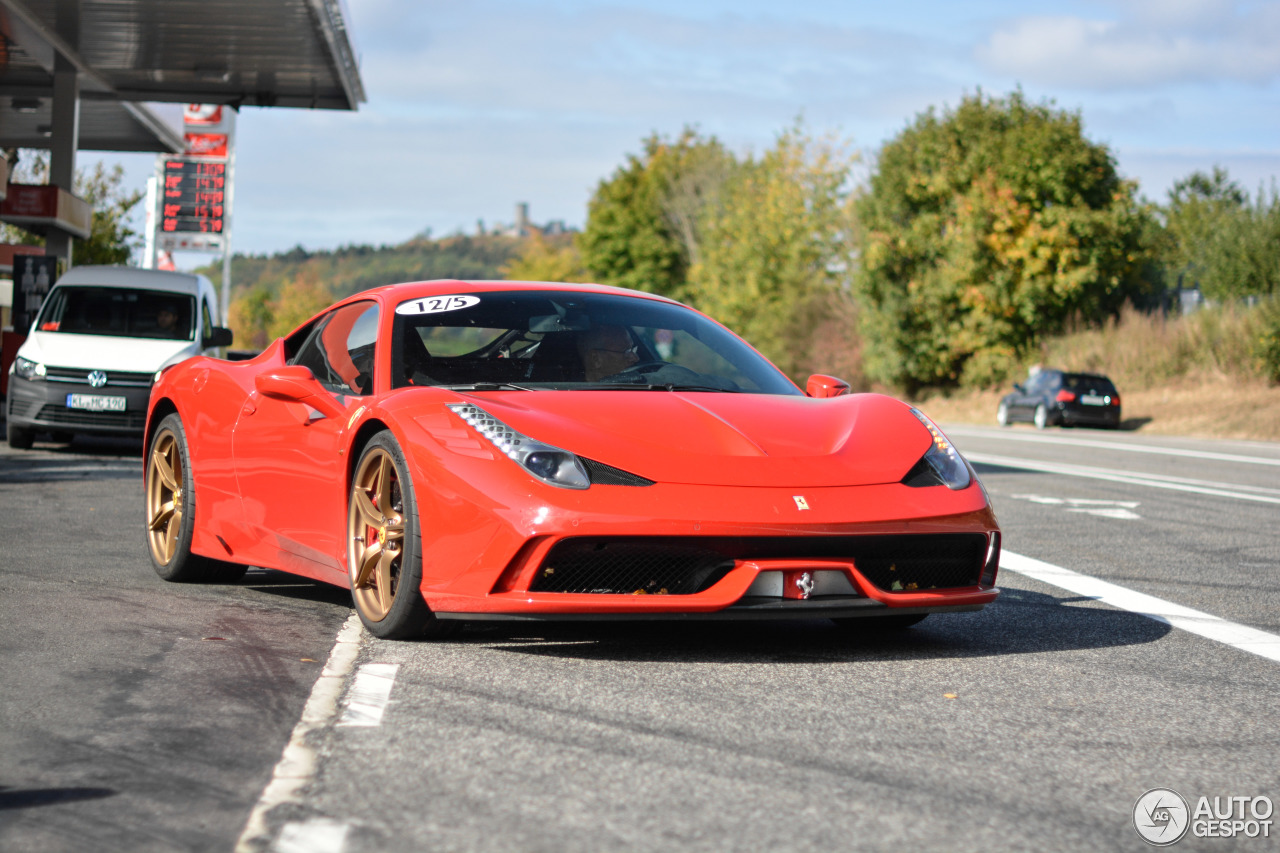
(1208, 408)
(1194, 375)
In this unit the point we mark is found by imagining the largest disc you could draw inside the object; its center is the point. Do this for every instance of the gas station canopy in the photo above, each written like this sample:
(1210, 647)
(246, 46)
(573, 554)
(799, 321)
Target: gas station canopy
(266, 53)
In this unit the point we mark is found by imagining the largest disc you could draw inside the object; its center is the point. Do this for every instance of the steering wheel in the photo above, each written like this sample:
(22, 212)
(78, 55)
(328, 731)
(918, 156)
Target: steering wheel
(671, 372)
(641, 367)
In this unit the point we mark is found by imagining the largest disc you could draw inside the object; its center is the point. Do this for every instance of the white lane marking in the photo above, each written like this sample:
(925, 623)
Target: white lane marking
(1115, 445)
(1101, 508)
(298, 763)
(1204, 624)
(320, 835)
(1155, 481)
(1114, 512)
(369, 695)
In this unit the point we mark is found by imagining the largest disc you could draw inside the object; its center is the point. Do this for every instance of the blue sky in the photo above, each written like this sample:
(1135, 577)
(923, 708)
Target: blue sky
(474, 106)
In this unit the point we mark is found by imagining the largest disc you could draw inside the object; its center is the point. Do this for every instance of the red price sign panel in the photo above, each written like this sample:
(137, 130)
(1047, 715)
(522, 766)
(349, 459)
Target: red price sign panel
(194, 197)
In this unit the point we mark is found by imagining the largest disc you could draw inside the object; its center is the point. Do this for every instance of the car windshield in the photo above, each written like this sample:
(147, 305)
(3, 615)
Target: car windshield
(119, 312)
(572, 340)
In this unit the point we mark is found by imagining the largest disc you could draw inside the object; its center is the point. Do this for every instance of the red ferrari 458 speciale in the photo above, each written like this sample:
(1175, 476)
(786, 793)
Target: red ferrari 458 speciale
(508, 450)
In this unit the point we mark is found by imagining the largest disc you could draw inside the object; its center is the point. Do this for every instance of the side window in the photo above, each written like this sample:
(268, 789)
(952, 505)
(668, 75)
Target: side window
(340, 349)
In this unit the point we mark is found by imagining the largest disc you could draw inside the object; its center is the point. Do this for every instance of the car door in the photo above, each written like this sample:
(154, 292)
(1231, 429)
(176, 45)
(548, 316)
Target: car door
(289, 456)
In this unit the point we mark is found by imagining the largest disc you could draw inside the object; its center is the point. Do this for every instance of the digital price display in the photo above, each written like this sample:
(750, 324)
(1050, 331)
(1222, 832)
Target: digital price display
(194, 196)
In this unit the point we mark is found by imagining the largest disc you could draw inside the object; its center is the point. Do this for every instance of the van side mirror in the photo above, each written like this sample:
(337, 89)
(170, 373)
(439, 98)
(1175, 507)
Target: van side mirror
(219, 337)
(821, 385)
(1017, 386)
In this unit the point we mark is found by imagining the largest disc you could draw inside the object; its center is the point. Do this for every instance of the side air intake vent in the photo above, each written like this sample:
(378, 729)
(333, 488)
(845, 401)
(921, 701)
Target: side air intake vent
(607, 475)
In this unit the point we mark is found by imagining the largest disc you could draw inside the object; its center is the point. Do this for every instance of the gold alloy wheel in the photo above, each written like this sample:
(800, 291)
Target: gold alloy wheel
(164, 496)
(375, 527)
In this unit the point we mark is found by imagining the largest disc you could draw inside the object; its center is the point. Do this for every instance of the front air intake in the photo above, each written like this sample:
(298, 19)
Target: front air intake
(685, 565)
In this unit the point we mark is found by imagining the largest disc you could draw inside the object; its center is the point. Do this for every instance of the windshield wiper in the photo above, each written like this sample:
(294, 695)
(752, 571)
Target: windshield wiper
(642, 386)
(485, 386)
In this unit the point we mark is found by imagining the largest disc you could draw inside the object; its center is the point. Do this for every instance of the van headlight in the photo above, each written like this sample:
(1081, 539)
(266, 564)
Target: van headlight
(28, 369)
(941, 465)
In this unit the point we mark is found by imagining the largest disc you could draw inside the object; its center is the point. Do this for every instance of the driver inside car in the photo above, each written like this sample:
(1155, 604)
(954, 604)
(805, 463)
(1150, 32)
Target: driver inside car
(606, 351)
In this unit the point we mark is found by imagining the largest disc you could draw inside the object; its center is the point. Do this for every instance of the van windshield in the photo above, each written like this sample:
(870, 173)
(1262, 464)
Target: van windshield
(119, 312)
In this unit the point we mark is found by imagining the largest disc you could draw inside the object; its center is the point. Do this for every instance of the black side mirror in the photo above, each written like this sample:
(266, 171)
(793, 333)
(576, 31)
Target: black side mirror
(219, 337)
(1017, 386)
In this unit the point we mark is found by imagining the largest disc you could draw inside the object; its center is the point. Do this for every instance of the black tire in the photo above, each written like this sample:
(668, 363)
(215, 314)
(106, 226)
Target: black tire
(880, 624)
(20, 438)
(386, 578)
(170, 511)
(1041, 419)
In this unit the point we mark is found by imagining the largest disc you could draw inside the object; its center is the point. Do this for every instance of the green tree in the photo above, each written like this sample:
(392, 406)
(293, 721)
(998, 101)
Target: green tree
(547, 259)
(984, 229)
(640, 221)
(112, 239)
(251, 318)
(776, 246)
(1220, 239)
(1199, 206)
(296, 302)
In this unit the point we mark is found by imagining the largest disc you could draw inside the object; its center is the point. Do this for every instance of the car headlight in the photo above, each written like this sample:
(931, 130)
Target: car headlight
(941, 465)
(549, 464)
(28, 369)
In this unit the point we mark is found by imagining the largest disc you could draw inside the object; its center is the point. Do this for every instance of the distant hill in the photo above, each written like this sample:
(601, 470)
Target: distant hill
(351, 269)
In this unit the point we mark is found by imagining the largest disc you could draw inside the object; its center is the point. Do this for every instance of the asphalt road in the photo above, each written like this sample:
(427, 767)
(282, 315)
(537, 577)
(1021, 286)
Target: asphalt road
(1034, 724)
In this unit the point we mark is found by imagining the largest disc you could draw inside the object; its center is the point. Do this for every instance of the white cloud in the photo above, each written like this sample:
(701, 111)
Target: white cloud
(1193, 41)
(474, 106)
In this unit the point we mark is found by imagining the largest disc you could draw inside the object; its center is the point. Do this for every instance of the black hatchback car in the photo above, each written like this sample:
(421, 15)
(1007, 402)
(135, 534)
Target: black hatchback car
(1057, 397)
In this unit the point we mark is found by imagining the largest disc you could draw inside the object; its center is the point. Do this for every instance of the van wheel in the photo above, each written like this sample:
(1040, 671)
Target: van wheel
(21, 438)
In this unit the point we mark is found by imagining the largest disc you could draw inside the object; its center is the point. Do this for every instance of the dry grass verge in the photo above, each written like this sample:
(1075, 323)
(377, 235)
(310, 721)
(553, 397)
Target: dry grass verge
(1206, 407)
(1194, 375)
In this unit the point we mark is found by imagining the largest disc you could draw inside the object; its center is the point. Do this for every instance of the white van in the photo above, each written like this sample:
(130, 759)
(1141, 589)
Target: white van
(96, 345)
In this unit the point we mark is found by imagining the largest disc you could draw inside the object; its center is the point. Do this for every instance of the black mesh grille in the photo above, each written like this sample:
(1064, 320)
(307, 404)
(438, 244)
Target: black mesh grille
(23, 408)
(629, 567)
(607, 475)
(687, 565)
(906, 564)
(80, 417)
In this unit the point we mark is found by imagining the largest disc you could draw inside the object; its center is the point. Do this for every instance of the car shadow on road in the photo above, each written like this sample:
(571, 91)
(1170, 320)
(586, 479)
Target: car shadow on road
(15, 468)
(25, 798)
(122, 447)
(985, 468)
(285, 585)
(1133, 424)
(1019, 622)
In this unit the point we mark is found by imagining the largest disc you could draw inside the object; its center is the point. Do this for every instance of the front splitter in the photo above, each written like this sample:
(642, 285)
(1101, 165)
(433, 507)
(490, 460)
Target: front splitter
(841, 608)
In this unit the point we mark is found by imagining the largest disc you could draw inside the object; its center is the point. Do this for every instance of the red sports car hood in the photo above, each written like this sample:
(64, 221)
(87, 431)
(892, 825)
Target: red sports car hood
(724, 439)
